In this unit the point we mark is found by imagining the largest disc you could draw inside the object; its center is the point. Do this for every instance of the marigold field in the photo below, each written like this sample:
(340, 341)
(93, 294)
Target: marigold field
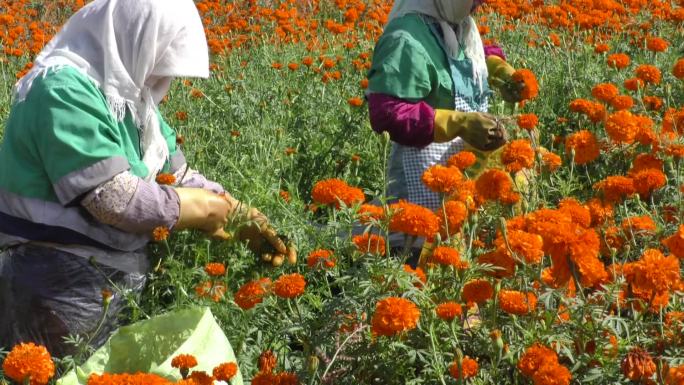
(570, 274)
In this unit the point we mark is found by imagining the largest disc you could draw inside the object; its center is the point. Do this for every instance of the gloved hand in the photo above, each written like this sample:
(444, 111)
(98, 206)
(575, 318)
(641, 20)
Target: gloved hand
(261, 238)
(482, 131)
(203, 210)
(500, 77)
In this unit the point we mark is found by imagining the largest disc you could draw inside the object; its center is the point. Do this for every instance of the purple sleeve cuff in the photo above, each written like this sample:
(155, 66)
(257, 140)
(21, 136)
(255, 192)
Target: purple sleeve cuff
(152, 206)
(409, 124)
(197, 180)
(494, 50)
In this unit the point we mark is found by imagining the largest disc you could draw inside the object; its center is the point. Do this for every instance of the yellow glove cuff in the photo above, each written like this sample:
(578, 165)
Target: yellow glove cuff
(445, 127)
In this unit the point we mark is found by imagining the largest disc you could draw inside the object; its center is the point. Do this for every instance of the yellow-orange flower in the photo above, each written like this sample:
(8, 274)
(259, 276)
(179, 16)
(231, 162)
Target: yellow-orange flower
(604, 92)
(28, 362)
(413, 220)
(394, 315)
(332, 191)
(647, 181)
(618, 60)
(678, 69)
(368, 213)
(267, 361)
(621, 127)
(370, 244)
(252, 293)
(585, 146)
(225, 372)
(527, 121)
(160, 233)
(675, 243)
(462, 160)
(165, 179)
(616, 188)
(215, 269)
(516, 302)
(496, 185)
(648, 73)
(321, 258)
(530, 85)
(442, 179)
(534, 358)
(657, 44)
(638, 365)
(518, 155)
(184, 361)
(456, 213)
(448, 311)
(289, 285)
(447, 256)
(468, 368)
(477, 291)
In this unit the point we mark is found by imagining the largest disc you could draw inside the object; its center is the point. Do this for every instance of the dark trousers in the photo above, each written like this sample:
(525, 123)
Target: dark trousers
(48, 294)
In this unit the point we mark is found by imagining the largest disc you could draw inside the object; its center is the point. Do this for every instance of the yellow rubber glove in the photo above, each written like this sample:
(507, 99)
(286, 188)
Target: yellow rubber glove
(203, 210)
(501, 77)
(480, 130)
(258, 233)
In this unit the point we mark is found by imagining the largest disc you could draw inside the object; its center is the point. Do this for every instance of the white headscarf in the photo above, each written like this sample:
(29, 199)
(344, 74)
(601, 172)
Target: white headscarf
(450, 14)
(131, 49)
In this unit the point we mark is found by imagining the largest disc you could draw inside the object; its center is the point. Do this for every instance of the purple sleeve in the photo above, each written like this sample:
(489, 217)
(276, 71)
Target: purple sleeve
(152, 205)
(409, 124)
(494, 50)
(192, 178)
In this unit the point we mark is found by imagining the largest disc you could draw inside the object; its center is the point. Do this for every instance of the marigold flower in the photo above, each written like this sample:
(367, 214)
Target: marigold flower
(213, 289)
(181, 115)
(332, 191)
(634, 84)
(638, 225)
(594, 111)
(276, 65)
(418, 273)
(646, 162)
(184, 361)
(447, 256)
(585, 146)
(496, 185)
(355, 102)
(621, 127)
(477, 291)
(675, 243)
(129, 379)
(413, 220)
(601, 48)
(527, 121)
(307, 61)
(652, 103)
(657, 44)
(553, 374)
(448, 311)
(648, 73)
(605, 92)
(550, 161)
(653, 273)
(468, 368)
(394, 315)
(201, 378)
(264, 378)
(165, 179)
(215, 269)
(647, 181)
(289, 285)
(368, 213)
(456, 213)
(252, 293)
(29, 363)
(675, 376)
(321, 259)
(535, 357)
(600, 211)
(618, 60)
(160, 233)
(518, 155)
(615, 188)
(678, 69)
(442, 179)
(526, 246)
(267, 361)
(516, 302)
(370, 244)
(638, 365)
(225, 372)
(462, 160)
(363, 84)
(576, 211)
(622, 102)
(531, 86)
(286, 378)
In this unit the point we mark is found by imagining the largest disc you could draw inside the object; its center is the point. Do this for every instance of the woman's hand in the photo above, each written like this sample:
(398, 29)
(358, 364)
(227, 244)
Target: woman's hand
(483, 131)
(204, 210)
(501, 77)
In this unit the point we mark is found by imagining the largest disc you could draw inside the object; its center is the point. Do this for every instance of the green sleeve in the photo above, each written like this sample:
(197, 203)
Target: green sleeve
(76, 137)
(401, 68)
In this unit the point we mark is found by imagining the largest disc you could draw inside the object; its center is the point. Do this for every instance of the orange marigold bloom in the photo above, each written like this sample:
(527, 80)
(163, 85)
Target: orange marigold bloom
(576, 211)
(181, 115)
(184, 361)
(615, 188)
(307, 61)
(657, 44)
(550, 160)
(448, 311)
(456, 213)
(516, 302)
(678, 69)
(215, 269)
(675, 242)
(604, 92)
(675, 376)
(286, 378)
(527, 121)
(600, 211)
(518, 155)
(130, 379)
(394, 315)
(468, 368)
(29, 363)
(214, 290)
(601, 48)
(621, 127)
(535, 357)
(442, 179)
(528, 247)
(332, 191)
(647, 181)
(289, 285)
(652, 103)
(477, 291)
(501, 260)
(368, 213)
(553, 374)
(496, 185)
(676, 151)
(252, 293)
(160, 233)
(622, 102)
(276, 65)
(638, 225)
(267, 362)
(166, 179)
(618, 60)
(531, 86)
(585, 146)
(370, 244)
(321, 259)
(264, 378)
(634, 84)
(355, 102)
(646, 161)
(225, 371)
(462, 160)
(653, 272)
(447, 256)
(648, 73)
(413, 220)
(201, 378)
(594, 111)
(364, 83)
(293, 66)
(418, 273)
(638, 365)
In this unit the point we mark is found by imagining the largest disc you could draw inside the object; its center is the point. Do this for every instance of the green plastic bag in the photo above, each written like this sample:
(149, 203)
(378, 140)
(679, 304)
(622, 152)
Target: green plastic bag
(149, 346)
